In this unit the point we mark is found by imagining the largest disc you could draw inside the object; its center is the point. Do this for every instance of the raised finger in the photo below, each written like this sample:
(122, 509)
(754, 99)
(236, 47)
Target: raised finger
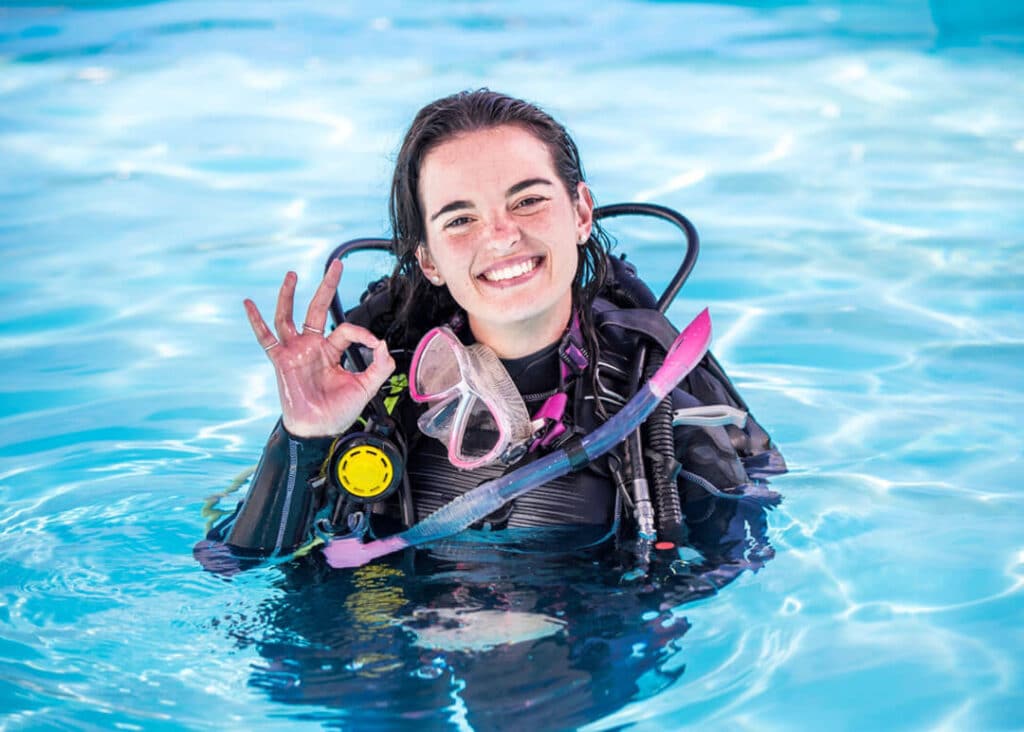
(283, 322)
(263, 334)
(316, 313)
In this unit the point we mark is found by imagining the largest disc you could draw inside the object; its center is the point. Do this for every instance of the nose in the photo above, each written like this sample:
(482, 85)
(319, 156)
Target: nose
(504, 232)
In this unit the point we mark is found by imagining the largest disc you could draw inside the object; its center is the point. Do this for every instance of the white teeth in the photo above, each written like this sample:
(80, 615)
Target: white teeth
(508, 273)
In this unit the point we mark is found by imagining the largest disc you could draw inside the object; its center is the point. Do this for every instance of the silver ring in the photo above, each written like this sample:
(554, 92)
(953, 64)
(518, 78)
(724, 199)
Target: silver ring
(272, 345)
(311, 329)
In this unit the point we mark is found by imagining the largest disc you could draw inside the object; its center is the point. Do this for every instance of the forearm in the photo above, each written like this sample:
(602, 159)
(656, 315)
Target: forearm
(277, 515)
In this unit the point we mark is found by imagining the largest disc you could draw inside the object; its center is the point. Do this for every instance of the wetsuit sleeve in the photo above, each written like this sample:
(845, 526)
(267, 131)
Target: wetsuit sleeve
(276, 517)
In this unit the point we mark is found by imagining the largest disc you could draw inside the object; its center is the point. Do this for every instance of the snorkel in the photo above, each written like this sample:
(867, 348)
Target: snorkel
(686, 352)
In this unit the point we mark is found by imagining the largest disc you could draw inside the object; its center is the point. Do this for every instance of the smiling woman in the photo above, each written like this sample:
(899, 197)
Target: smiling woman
(503, 235)
(516, 333)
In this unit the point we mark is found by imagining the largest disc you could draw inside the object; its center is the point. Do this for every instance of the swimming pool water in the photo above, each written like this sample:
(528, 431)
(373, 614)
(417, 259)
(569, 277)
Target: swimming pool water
(855, 170)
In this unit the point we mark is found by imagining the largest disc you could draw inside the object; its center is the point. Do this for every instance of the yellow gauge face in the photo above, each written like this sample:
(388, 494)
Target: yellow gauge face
(365, 471)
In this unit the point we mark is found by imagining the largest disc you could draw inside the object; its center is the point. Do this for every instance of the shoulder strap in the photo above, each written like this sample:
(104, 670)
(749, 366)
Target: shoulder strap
(645, 321)
(624, 288)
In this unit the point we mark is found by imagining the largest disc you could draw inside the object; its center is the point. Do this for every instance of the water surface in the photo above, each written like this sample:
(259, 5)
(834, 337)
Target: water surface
(855, 170)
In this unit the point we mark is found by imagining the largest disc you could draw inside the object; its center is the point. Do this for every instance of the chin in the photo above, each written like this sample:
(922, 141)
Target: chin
(511, 314)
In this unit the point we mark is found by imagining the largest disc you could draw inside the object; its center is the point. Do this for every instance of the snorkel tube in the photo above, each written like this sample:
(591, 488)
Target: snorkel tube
(686, 352)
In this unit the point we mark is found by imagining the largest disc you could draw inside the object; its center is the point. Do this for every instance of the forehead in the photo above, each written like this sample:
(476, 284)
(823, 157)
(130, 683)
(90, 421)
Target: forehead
(497, 157)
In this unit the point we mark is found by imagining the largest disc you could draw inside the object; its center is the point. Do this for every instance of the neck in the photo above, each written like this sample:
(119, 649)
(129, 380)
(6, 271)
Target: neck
(522, 338)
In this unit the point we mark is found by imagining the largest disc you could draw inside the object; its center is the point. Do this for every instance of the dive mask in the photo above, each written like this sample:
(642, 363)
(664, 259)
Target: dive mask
(475, 408)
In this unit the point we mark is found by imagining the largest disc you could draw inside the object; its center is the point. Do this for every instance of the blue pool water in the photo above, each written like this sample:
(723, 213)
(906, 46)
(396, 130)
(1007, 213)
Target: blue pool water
(856, 170)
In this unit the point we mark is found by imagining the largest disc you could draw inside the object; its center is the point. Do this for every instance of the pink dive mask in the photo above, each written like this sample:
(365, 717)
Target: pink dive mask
(475, 408)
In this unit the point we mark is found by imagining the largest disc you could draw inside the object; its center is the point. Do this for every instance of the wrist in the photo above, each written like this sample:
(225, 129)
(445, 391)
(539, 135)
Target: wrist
(302, 434)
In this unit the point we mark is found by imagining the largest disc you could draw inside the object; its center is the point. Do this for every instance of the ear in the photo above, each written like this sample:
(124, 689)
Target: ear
(428, 266)
(584, 212)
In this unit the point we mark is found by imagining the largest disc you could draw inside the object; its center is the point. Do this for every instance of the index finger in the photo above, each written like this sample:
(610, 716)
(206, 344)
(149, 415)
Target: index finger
(348, 333)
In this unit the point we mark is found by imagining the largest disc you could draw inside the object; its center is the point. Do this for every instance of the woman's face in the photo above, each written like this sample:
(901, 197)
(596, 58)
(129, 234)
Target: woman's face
(502, 230)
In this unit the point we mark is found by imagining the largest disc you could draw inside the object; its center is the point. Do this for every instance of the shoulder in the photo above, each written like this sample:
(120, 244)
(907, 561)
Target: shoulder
(626, 310)
(623, 286)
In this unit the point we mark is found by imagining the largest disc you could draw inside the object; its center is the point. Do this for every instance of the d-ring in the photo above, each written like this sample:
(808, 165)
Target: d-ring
(311, 329)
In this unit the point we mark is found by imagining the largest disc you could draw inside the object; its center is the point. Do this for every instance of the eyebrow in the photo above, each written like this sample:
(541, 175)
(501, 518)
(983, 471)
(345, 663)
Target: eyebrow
(520, 186)
(524, 184)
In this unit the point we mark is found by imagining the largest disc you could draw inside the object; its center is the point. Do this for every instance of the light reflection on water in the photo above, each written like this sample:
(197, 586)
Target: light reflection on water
(855, 172)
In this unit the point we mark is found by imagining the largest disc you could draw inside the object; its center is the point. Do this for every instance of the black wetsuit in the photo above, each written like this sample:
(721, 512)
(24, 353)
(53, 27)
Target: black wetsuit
(286, 497)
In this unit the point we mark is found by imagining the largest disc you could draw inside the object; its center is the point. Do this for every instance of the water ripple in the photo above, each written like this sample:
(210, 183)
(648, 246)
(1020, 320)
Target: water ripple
(855, 176)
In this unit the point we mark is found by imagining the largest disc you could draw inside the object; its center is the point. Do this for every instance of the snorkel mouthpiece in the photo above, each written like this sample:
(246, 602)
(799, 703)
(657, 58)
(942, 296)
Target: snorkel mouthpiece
(686, 352)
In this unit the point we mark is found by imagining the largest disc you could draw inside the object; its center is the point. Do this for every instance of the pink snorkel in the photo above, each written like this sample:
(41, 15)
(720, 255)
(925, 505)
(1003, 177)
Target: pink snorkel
(686, 352)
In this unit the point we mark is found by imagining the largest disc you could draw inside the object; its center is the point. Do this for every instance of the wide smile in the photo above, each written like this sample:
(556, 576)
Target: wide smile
(510, 273)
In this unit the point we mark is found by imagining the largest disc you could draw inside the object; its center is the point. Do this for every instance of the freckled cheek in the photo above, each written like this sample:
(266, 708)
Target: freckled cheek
(455, 259)
(550, 228)
(538, 222)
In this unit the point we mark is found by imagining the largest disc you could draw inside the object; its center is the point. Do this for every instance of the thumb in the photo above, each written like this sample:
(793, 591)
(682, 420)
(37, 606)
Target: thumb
(382, 366)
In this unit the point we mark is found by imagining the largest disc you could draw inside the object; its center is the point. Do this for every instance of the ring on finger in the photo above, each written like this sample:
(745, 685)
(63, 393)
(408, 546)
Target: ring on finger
(307, 328)
(275, 344)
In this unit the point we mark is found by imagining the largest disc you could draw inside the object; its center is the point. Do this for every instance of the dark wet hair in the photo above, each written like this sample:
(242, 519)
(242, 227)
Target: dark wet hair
(438, 122)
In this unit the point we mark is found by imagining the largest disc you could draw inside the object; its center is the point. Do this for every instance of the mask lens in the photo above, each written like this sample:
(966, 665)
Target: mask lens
(439, 420)
(437, 368)
(481, 433)
(467, 426)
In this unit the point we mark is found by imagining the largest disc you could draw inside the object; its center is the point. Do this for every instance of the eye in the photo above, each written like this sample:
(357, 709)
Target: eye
(529, 201)
(457, 222)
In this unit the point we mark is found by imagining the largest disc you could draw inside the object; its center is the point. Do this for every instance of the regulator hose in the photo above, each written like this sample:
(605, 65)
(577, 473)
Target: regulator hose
(663, 469)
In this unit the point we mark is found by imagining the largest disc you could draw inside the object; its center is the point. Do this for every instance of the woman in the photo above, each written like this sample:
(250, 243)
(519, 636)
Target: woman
(495, 238)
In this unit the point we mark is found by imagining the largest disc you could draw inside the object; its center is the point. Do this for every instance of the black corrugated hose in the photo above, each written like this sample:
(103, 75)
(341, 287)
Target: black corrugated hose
(663, 468)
